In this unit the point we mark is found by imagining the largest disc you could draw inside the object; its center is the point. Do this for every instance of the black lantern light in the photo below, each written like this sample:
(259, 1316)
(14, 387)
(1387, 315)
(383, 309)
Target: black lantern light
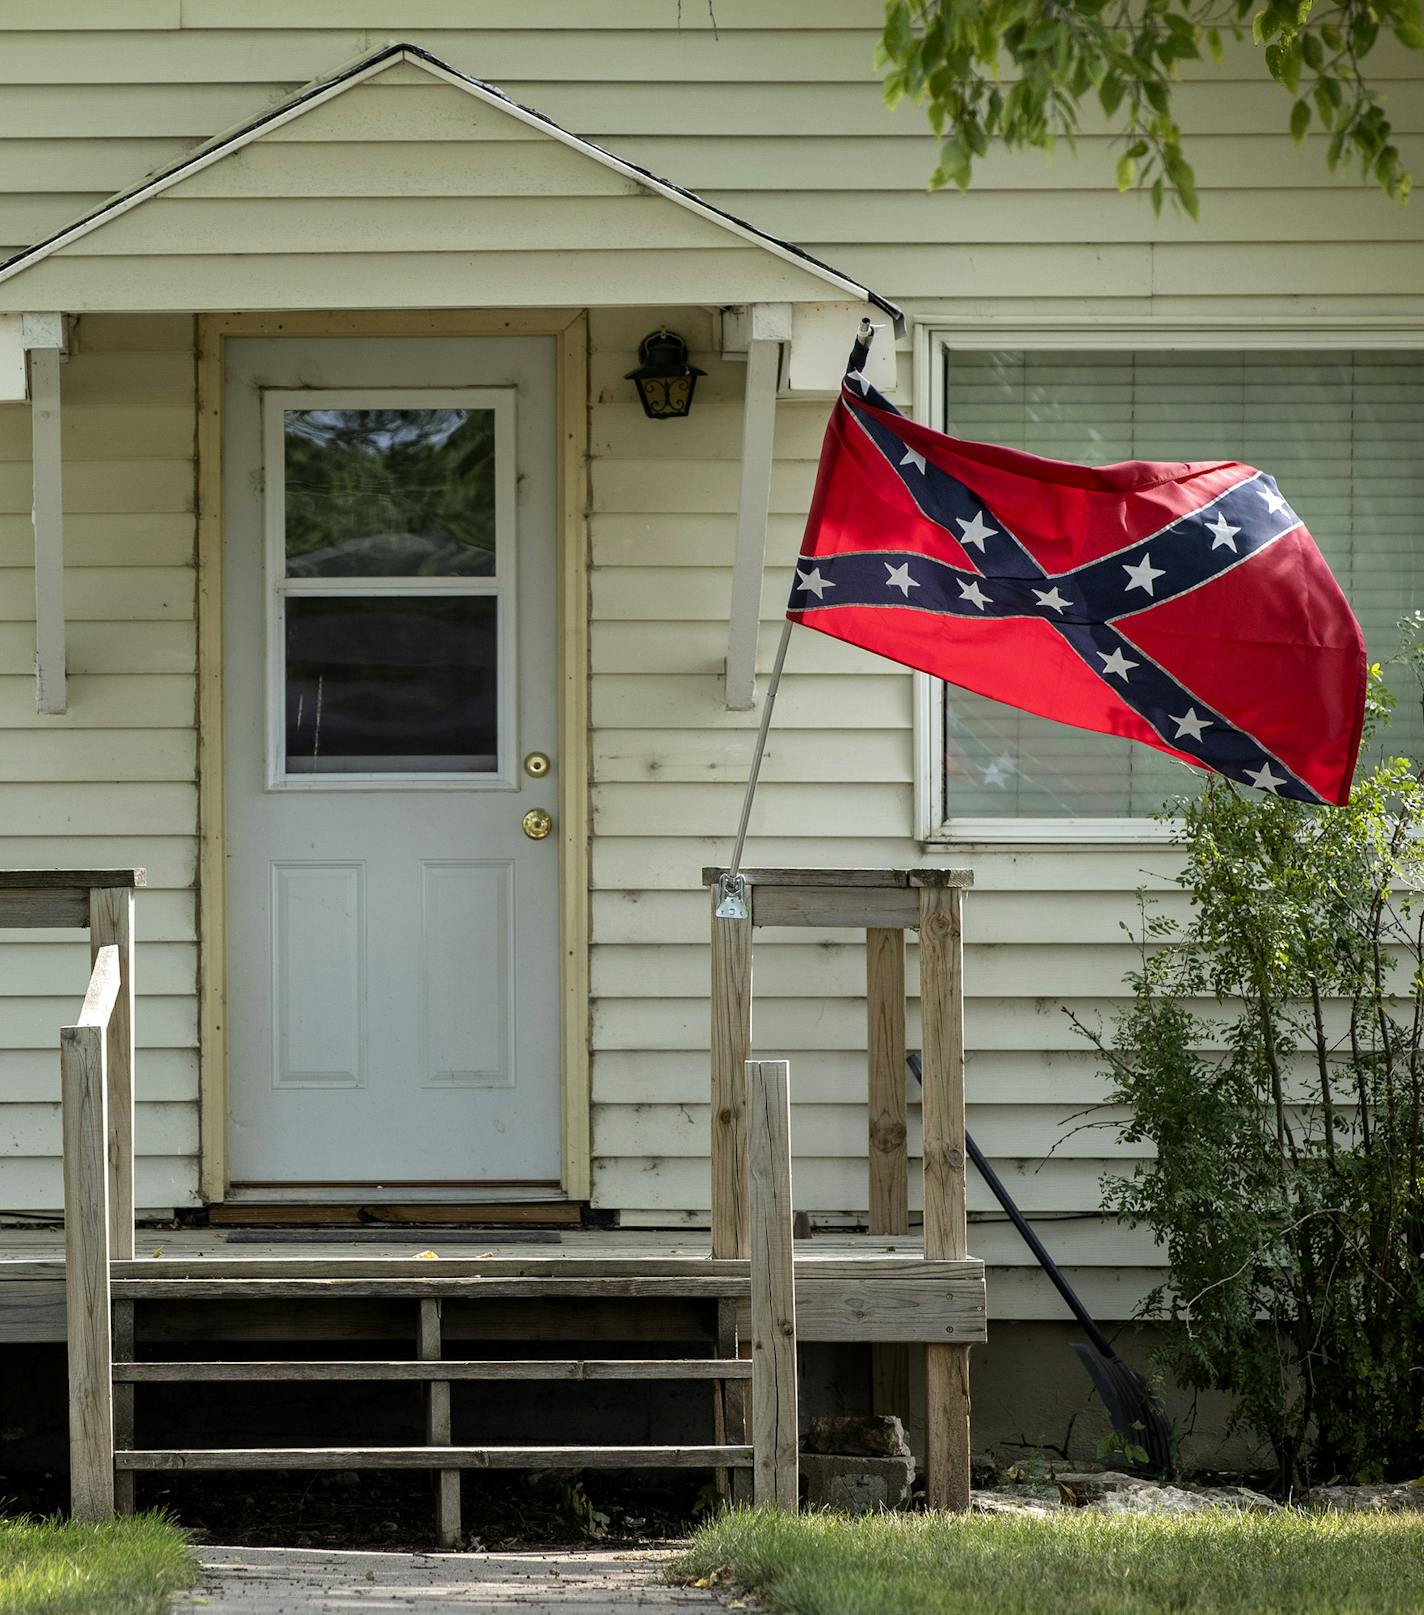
(664, 379)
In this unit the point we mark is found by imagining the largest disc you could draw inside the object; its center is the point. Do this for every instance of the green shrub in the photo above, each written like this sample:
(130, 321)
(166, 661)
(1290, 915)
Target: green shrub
(1272, 1055)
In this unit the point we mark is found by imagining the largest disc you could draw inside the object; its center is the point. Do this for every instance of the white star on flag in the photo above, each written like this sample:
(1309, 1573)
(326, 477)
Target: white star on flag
(1264, 780)
(1117, 663)
(860, 379)
(914, 459)
(1225, 533)
(1189, 724)
(1051, 598)
(1142, 575)
(974, 594)
(900, 578)
(813, 583)
(996, 774)
(977, 531)
(1275, 504)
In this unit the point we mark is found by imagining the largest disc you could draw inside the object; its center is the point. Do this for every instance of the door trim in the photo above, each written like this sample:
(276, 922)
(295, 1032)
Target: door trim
(569, 328)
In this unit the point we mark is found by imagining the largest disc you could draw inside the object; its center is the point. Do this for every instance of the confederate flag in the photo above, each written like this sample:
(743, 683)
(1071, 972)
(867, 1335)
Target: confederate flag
(1185, 606)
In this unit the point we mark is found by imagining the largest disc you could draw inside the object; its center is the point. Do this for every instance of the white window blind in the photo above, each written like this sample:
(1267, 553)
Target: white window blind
(1342, 433)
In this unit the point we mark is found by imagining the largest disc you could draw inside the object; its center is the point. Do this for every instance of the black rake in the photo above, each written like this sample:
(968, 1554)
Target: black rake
(1132, 1406)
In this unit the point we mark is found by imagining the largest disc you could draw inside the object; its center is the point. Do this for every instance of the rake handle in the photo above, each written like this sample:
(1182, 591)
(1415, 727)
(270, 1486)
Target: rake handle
(1030, 1238)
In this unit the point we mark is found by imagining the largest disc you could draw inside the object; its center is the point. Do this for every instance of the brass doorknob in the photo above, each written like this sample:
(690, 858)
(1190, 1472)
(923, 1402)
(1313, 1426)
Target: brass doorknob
(537, 824)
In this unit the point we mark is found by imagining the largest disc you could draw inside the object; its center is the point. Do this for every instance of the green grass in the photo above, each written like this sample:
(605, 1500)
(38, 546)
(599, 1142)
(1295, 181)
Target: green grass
(125, 1567)
(1072, 1564)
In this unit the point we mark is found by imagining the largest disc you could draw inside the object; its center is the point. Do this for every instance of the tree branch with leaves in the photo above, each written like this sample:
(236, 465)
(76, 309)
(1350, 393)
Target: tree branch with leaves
(948, 55)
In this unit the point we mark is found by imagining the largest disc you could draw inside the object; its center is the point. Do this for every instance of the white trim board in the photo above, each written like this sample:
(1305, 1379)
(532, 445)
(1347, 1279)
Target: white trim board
(365, 67)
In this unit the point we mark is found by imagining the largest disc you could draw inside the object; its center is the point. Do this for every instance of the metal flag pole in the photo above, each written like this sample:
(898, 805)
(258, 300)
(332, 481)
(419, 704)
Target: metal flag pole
(732, 886)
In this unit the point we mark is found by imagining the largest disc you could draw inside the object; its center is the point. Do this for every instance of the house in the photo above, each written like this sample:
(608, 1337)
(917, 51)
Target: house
(424, 783)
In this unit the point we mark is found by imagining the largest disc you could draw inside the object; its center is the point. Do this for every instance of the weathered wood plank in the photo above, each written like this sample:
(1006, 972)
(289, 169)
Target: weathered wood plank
(773, 1287)
(890, 1310)
(837, 878)
(437, 1458)
(889, 1190)
(34, 908)
(946, 1230)
(123, 1351)
(437, 1428)
(305, 1289)
(86, 1266)
(885, 1016)
(853, 906)
(814, 1264)
(49, 879)
(111, 913)
(731, 1047)
(574, 1369)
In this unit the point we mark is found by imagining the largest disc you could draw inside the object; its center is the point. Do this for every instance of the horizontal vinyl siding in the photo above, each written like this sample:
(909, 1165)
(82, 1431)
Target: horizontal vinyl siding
(1043, 927)
(112, 781)
(776, 114)
(351, 200)
(778, 117)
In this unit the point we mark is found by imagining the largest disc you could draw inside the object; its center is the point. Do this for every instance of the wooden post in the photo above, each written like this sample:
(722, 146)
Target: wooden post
(946, 1227)
(83, 1095)
(731, 1049)
(773, 1301)
(123, 1352)
(437, 1428)
(47, 467)
(889, 1155)
(111, 925)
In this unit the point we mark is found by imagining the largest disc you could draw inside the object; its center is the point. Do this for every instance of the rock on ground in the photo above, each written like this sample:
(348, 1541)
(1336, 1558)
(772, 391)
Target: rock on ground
(1385, 1499)
(1109, 1492)
(305, 1581)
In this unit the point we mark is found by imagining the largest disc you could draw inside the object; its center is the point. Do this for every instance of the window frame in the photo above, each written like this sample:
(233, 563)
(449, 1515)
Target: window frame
(934, 336)
(501, 585)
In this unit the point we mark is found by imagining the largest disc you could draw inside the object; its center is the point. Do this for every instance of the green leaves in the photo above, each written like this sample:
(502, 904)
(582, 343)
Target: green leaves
(1287, 1121)
(947, 56)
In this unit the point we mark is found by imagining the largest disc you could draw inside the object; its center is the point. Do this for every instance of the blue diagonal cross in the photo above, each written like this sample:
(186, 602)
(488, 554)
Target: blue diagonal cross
(1083, 603)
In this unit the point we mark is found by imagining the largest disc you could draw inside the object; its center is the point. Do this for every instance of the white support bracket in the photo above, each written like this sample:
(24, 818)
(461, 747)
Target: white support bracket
(768, 327)
(42, 338)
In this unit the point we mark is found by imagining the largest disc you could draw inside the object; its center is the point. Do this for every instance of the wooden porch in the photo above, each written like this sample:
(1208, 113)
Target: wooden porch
(729, 1309)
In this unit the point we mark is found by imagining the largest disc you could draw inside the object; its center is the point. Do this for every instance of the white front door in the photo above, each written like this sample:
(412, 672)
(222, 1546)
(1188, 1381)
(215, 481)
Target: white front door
(389, 720)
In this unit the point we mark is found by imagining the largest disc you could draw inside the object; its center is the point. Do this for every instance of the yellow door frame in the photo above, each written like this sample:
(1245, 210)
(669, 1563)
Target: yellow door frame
(569, 328)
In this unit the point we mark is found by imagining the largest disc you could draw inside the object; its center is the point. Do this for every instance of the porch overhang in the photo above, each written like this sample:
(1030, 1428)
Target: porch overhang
(332, 200)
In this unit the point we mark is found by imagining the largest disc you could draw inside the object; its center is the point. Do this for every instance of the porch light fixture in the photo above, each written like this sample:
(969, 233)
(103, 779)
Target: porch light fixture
(664, 378)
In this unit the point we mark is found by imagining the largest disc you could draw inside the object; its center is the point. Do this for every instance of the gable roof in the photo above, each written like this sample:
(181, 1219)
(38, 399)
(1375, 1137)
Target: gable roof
(365, 67)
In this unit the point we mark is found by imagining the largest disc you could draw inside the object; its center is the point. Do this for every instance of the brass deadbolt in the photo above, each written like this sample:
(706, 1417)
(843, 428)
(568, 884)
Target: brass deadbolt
(536, 765)
(537, 824)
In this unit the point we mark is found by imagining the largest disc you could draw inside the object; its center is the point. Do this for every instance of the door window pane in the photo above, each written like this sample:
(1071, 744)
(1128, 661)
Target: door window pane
(389, 492)
(404, 685)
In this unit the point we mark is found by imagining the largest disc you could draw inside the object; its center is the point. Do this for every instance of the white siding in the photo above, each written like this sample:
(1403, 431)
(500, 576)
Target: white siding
(668, 765)
(778, 117)
(111, 783)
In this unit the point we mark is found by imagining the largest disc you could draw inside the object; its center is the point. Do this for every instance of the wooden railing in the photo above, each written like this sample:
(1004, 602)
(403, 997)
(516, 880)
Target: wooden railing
(84, 1092)
(885, 904)
(775, 1438)
(96, 1058)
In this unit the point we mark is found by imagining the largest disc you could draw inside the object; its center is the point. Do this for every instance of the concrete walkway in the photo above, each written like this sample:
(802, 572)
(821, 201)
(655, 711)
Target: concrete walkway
(306, 1581)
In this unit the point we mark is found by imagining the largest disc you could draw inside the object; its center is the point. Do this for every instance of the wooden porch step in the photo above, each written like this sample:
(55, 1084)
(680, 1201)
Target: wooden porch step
(434, 1288)
(578, 1369)
(710, 1457)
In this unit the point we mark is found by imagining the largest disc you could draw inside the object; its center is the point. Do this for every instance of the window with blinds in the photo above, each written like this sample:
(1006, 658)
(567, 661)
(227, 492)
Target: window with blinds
(1340, 431)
